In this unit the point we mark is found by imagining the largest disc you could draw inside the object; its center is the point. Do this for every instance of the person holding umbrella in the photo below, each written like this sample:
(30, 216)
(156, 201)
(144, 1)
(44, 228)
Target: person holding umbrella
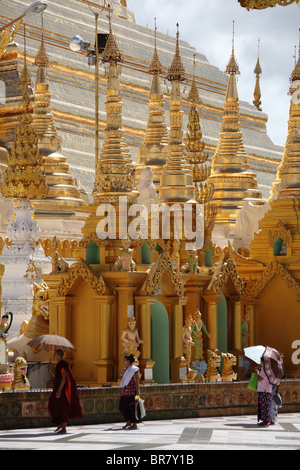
(264, 390)
(64, 401)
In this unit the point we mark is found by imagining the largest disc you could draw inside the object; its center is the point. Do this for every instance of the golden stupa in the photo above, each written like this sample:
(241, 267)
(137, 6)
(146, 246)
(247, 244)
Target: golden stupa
(234, 183)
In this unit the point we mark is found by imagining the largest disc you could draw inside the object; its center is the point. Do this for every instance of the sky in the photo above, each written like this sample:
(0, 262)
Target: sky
(207, 26)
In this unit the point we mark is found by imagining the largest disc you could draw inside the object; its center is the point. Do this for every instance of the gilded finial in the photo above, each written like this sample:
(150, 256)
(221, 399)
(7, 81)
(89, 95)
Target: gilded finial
(42, 59)
(111, 52)
(155, 66)
(176, 71)
(193, 96)
(232, 67)
(296, 72)
(257, 92)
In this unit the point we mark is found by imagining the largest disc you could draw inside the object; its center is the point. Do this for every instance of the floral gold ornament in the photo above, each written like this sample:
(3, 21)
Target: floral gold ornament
(263, 4)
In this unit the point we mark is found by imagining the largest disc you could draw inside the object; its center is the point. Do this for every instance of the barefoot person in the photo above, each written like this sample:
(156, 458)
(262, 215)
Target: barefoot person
(130, 388)
(63, 402)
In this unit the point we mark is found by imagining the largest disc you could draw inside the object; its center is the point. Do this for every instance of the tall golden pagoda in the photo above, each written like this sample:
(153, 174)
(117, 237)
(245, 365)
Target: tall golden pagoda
(115, 172)
(24, 177)
(154, 150)
(63, 196)
(176, 183)
(233, 181)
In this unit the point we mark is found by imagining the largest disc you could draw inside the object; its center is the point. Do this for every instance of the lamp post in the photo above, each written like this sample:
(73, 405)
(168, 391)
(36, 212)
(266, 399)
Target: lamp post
(36, 7)
(80, 45)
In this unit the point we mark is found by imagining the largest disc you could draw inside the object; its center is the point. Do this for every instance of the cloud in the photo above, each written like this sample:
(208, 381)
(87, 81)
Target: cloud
(207, 25)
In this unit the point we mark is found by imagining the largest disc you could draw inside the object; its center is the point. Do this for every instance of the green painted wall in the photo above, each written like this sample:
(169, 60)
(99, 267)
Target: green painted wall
(160, 343)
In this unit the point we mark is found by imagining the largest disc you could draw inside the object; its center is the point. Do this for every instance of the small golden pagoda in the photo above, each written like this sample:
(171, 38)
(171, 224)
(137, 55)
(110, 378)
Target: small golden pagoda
(24, 178)
(176, 183)
(63, 199)
(233, 181)
(154, 150)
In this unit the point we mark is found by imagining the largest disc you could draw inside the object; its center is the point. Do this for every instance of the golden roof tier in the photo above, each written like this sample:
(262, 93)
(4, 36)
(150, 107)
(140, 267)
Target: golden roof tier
(63, 196)
(233, 181)
(176, 183)
(24, 177)
(154, 150)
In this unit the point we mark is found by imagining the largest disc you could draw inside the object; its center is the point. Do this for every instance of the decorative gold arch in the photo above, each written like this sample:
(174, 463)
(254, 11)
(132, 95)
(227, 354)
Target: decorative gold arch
(281, 231)
(253, 288)
(164, 264)
(81, 269)
(226, 269)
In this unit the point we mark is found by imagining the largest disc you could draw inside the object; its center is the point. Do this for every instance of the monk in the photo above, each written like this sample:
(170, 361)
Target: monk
(64, 401)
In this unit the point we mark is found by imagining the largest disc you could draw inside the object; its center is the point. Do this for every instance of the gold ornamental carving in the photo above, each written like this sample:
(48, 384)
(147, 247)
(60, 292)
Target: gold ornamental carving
(280, 231)
(263, 4)
(81, 269)
(161, 265)
(226, 270)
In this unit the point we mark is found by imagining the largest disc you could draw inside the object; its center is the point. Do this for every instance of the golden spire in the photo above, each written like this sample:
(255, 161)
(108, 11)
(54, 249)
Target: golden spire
(155, 66)
(115, 170)
(289, 169)
(24, 177)
(193, 96)
(257, 92)
(176, 184)
(198, 159)
(233, 183)
(63, 195)
(232, 66)
(124, 3)
(154, 150)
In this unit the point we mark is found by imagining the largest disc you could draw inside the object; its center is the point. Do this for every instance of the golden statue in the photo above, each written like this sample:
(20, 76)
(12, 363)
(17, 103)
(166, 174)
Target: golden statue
(197, 328)
(125, 261)
(59, 265)
(4, 327)
(175, 256)
(130, 339)
(187, 338)
(213, 363)
(20, 381)
(228, 372)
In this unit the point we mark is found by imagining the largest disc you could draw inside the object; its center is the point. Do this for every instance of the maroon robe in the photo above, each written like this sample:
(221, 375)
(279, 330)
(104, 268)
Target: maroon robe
(67, 406)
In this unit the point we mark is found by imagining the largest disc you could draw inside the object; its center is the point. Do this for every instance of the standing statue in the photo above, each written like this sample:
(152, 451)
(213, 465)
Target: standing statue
(187, 346)
(125, 261)
(130, 339)
(187, 341)
(197, 328)
(175, 255)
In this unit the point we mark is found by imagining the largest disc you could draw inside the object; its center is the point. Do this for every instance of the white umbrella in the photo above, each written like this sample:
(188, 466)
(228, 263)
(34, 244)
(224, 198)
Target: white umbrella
(255, 353)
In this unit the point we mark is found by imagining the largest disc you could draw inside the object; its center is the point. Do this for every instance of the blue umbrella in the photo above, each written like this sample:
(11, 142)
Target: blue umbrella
(255, 353)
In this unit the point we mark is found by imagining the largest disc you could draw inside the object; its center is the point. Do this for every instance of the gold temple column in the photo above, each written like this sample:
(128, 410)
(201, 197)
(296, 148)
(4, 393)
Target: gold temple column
(177, 360)
(212, 301)
(251, 312)
(105, 362)
(143, 317)
(236, 343)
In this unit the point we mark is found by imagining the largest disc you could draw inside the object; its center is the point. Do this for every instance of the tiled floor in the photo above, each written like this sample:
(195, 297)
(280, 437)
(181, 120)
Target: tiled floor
(173, 436)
